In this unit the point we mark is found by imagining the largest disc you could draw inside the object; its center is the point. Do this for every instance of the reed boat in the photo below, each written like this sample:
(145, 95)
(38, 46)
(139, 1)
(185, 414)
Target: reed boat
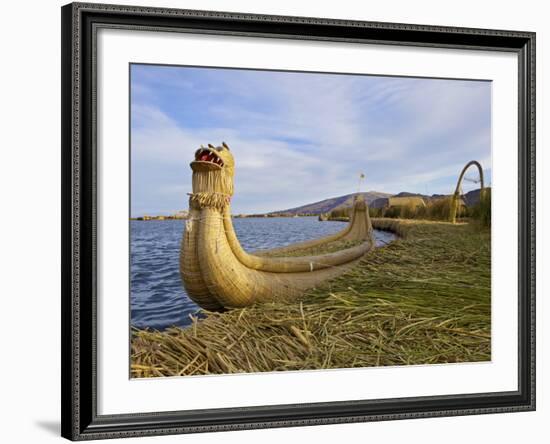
(219, 274)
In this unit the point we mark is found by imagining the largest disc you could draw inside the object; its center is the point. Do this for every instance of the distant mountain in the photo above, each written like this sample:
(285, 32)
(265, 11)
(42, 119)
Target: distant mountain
(379, 203)
(324, 206)
(470, 198)
(375, 199)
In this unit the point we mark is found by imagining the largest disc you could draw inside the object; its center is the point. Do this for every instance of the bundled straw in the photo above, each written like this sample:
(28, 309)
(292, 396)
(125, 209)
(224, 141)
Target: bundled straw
(216, 271)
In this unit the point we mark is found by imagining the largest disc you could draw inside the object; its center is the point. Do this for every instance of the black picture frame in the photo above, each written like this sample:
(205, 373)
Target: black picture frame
(79, 206)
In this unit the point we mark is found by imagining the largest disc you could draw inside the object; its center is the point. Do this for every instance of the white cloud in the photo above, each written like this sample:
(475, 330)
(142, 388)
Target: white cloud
(314, 135)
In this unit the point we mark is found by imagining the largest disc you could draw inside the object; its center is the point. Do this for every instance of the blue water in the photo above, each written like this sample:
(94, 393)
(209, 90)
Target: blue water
(157, 297)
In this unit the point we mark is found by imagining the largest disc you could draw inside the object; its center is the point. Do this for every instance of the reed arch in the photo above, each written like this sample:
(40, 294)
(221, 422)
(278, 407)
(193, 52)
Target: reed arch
(456, 194)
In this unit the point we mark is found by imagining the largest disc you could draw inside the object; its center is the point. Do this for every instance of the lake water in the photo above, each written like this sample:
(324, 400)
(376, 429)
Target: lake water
(157, 297)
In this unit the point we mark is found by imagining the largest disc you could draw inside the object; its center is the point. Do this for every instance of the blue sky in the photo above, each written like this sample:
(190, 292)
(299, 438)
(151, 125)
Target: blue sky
(298, 138)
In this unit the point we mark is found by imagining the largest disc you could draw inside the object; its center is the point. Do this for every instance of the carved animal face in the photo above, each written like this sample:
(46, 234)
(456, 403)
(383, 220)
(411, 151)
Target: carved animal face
(213, 170)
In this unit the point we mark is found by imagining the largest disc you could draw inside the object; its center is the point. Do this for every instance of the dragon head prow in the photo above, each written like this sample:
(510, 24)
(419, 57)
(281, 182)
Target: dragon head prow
(213, 170)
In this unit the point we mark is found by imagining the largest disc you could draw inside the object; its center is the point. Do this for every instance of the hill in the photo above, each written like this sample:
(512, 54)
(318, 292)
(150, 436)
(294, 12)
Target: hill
(374, 199)
(324, 206)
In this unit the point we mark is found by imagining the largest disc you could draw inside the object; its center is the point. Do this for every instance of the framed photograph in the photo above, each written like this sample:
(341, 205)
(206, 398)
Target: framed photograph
(277, 221)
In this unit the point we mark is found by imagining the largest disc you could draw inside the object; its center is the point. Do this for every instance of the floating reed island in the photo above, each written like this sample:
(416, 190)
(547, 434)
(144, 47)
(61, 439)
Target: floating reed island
(423, 299)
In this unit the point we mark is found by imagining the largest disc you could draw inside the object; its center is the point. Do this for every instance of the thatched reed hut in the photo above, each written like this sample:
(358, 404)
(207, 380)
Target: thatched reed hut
(406, 201)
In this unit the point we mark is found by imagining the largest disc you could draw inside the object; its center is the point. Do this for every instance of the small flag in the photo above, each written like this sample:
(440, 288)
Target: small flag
(361, 177)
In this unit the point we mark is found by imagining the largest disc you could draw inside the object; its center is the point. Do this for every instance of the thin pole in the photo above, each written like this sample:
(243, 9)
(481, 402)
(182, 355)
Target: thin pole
(361, 177)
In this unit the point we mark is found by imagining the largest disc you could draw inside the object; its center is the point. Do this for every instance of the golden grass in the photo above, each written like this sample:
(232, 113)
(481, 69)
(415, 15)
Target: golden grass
(423, 299)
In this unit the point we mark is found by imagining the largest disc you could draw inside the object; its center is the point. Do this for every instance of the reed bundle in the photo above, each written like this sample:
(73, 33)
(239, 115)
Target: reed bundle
(219, 274)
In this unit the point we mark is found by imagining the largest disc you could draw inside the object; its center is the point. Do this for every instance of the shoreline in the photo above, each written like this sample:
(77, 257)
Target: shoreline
(424, 298)
(234, 216)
